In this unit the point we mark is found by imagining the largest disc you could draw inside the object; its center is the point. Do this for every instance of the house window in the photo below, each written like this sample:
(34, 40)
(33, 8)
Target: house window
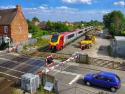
(5, 29)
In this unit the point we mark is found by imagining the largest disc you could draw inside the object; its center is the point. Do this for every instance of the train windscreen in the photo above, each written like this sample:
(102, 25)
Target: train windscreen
(54, 38)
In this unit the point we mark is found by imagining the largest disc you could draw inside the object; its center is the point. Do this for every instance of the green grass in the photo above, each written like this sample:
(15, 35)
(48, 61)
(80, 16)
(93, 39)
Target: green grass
(42, 91)
(16, 91)
(39, 91)
(39, 33)
(40, 43)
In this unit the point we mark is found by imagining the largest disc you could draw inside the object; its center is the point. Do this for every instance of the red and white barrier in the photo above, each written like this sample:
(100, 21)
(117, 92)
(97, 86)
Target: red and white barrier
(50, 68)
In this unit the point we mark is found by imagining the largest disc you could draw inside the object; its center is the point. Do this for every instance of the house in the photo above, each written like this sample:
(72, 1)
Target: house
(118, 46)
(42, 25)
(13, 25)
(68, 23)
(36, 23)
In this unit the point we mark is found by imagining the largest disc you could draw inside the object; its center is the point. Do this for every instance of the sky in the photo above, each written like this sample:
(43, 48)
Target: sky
(65, 10)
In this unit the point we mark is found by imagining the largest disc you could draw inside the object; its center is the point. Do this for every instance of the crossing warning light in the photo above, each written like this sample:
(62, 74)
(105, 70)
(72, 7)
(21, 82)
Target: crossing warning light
(49, 60)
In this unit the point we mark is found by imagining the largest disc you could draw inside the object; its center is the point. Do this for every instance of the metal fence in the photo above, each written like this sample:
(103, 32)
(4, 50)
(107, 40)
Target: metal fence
(19, 46)
(32, 41)
(76, 89)
(112, 64)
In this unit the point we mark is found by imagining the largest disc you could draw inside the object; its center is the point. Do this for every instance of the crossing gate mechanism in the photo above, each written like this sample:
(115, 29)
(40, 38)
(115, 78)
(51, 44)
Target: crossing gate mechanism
(51, 64)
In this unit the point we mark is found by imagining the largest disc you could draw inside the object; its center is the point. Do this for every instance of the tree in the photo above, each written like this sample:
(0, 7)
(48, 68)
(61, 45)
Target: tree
(57, 27)
(35, 30)
(35, 19)
(114, 22)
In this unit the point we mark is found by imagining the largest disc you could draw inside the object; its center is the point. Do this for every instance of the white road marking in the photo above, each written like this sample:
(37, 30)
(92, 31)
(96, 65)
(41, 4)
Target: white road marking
(10, 75)
(65, 72)
(11, 69)
(15, 54)
(73, 64)
(16, 61)
(123, 84)
(75, 79)
(5, 59)
(77, 76)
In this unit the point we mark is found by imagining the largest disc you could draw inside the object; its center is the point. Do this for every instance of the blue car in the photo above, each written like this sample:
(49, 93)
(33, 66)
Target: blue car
(103, 79)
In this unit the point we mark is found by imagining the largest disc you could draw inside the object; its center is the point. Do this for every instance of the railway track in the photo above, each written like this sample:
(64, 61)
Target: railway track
(55, 55)
(94, 61)
(108, 63)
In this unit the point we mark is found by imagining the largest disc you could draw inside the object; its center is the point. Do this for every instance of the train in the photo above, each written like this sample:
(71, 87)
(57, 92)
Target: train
(59, 41)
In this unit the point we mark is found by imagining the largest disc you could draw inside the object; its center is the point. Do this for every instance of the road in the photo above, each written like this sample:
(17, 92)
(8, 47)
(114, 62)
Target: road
(16, 65)
(70, 79)
(12, 66)
(70, 76)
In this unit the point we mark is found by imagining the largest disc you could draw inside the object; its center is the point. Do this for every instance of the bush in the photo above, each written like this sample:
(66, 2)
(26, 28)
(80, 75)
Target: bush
(39, 33)
(4, 45)
(36, 31)
(41, 42)
(123, 33)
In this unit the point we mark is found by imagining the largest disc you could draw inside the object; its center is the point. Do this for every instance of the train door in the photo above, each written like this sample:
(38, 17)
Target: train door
(61, 42)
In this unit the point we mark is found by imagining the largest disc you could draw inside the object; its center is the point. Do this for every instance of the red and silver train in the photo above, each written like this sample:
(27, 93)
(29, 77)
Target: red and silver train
(58, 41)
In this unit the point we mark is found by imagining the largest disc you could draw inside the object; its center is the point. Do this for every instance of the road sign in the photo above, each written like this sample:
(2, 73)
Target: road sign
(48, 86)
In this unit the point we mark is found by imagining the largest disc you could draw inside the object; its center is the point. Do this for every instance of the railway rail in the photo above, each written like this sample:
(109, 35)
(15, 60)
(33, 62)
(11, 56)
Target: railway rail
(111, 64)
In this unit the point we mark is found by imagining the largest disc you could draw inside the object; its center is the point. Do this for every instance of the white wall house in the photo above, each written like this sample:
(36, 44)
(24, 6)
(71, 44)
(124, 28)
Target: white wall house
(118, 46)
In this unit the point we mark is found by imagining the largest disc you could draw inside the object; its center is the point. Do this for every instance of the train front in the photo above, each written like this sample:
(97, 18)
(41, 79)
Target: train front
(54, 42)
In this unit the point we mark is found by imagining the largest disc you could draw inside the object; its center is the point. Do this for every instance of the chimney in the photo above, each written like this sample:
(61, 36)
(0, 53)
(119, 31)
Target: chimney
(19, 8)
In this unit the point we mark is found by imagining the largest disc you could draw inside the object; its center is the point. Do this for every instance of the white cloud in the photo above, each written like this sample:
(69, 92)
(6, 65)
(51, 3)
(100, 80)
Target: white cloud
(120, 3)
(43, 9)
(64, 13)
(7, 7)
(62, 7)
(78, 1)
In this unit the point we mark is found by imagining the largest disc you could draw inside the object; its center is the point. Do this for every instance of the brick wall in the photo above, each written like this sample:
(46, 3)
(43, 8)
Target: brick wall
(19, 28)
(1, 30)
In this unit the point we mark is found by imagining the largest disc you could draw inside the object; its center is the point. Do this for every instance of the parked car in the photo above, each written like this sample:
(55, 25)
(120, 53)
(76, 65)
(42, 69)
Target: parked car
(103, 79)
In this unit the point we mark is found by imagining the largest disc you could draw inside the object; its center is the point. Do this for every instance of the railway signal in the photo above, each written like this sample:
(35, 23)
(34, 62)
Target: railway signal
(49, 61)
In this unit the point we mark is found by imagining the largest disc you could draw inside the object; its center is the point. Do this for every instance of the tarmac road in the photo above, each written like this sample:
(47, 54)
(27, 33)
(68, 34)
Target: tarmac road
(70, 79)
(16, 65)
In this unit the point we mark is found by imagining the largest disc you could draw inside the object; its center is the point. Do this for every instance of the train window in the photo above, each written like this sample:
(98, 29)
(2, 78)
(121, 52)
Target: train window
(80, 32)
(70, 36)
(54, 38)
